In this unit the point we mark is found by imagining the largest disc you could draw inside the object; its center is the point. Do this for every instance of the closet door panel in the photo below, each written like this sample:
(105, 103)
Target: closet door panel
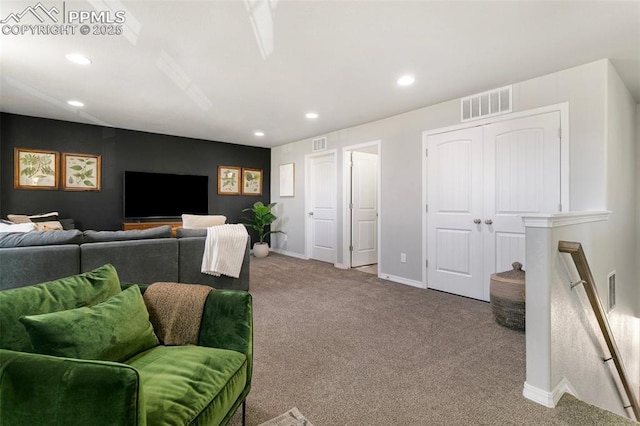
(454, 194)
(522, 176)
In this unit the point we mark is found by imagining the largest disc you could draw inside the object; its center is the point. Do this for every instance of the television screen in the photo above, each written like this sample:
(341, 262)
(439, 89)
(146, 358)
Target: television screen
(163, 195)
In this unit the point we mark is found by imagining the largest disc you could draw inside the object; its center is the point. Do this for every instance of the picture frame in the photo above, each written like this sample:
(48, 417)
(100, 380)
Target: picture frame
(287, 180)
(35, 168)
(81, 172)
(228, 180)
(251, 181)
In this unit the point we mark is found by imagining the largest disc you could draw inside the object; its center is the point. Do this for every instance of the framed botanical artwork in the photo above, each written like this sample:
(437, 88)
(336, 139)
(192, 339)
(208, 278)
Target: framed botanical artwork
(35, 169)
(287, 180)
(228, 180)
(251, 182)
(81, 172)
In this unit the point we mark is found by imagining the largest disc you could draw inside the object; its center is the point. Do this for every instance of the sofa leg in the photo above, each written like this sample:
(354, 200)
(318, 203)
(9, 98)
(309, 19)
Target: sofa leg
(244, 412)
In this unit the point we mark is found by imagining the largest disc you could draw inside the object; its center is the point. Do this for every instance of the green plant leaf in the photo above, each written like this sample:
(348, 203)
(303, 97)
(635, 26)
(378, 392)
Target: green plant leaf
(88, 183)
(76, 167)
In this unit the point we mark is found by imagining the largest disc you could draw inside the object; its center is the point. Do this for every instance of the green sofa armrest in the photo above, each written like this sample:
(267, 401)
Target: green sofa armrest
(227, 323)
(45, 390)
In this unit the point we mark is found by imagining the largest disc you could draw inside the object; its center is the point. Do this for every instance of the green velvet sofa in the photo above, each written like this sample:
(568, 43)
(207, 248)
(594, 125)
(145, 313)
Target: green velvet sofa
(50, 376)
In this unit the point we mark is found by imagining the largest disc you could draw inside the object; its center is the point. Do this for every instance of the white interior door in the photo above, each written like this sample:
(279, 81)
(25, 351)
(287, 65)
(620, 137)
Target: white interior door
(454, 197)
(364, 211)
(480, 182)
(522, 176)
(321, 208)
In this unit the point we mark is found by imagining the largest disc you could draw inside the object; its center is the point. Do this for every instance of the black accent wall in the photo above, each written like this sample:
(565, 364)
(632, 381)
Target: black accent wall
(120, 150)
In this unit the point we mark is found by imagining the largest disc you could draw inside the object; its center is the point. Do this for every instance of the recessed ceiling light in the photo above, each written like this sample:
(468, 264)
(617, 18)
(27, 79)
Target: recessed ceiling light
(75, 103)
(406, 80)
(311, 115)
(77, 58)
(259, 133)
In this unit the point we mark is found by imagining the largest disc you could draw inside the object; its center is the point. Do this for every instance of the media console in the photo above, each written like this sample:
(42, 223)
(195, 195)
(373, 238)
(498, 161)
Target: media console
(127, 226)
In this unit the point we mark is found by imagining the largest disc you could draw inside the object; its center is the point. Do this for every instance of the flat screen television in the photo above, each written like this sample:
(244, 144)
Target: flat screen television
(164, 195)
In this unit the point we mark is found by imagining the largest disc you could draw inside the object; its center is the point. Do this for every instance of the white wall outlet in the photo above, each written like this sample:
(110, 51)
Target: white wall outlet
(403, 257)
(611, 282)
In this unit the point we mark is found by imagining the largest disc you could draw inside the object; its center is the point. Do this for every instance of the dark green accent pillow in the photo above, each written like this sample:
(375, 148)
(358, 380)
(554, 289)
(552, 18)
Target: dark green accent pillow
(114, 330)
(72, 292)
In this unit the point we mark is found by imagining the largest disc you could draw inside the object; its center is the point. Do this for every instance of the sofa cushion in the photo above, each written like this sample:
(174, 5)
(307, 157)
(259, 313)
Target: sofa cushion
(25, 266)
(40, 238)
(189, 233)
(68, 224)
(67, 293)
(137, 261)
(196, 221)
(205, 382)
(134, 234)
(114, 330)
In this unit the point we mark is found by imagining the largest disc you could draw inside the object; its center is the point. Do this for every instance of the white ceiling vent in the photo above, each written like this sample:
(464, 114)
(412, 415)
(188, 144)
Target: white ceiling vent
(319, 144)
(486, 104)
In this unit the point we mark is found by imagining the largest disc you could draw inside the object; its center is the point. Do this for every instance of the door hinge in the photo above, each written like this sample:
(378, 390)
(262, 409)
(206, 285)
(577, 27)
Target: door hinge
(426, 208)
(426, 263)
(559, 207)
(426, 152)
(351, 206)
(560, 132)
(350, 248)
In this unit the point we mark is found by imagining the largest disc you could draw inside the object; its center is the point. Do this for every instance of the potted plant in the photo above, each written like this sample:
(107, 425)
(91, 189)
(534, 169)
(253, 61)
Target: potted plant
(261, 223)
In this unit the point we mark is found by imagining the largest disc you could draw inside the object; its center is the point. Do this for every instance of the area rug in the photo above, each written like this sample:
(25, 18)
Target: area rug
(292, 417)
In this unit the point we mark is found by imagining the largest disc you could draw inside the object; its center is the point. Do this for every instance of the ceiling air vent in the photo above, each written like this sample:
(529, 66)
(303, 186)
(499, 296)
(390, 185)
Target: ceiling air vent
(486, 104)
(319, 144)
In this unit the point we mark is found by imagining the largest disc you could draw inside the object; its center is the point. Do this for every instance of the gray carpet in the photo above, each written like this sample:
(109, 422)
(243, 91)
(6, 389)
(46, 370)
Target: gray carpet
(349, 349)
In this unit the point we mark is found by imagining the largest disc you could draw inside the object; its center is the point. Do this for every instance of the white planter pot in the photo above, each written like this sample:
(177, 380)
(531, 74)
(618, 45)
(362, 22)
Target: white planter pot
(260, 249)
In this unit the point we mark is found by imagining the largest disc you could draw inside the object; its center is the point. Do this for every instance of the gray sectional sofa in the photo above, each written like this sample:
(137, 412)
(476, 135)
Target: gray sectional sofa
(140, 257)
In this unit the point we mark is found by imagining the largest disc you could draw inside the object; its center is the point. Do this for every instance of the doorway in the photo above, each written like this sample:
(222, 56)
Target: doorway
(362, 206)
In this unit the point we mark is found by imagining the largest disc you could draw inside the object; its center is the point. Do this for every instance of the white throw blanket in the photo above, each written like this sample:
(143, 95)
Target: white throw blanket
(224, 250)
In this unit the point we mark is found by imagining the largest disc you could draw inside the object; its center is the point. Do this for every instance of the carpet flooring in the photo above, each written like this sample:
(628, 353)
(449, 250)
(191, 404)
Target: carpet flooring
(347, 348)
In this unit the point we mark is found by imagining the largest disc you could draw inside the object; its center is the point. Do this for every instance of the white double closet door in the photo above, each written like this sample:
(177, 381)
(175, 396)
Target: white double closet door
(480, 181)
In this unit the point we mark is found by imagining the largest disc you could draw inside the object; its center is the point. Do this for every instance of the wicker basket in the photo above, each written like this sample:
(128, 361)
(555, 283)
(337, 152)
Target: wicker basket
(507, 294)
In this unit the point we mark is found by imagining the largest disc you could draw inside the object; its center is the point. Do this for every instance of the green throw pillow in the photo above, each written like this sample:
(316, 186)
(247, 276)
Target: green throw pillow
(114, 330)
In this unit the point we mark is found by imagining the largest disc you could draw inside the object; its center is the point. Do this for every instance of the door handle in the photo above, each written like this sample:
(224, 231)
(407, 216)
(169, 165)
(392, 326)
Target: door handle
(488, 221)
(310, 213)
(477, 221)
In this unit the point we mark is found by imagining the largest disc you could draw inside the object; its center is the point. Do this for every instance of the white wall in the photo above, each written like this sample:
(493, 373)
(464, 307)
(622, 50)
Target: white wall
(622, 229)
(638, 204)
(584, 87)
(563, 338)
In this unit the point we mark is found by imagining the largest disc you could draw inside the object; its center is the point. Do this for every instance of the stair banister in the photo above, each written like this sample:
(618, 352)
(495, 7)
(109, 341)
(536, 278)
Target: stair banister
(586, 278)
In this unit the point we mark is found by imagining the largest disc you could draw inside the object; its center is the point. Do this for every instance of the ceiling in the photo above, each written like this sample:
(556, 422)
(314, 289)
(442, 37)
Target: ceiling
(221, 70)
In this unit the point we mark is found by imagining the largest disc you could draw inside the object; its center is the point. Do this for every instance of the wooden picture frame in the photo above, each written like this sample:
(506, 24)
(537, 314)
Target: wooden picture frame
(35, 168)
(228, 180)
(81, 172)
(251, 181)
(287, 180)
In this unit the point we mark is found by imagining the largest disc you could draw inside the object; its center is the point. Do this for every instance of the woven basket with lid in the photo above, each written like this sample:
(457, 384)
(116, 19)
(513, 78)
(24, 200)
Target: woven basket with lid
(507, 293)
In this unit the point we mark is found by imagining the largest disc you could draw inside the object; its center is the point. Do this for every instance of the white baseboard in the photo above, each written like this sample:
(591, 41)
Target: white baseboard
(549, 399)
(340, 265)
(290, 254)
(400, 280)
